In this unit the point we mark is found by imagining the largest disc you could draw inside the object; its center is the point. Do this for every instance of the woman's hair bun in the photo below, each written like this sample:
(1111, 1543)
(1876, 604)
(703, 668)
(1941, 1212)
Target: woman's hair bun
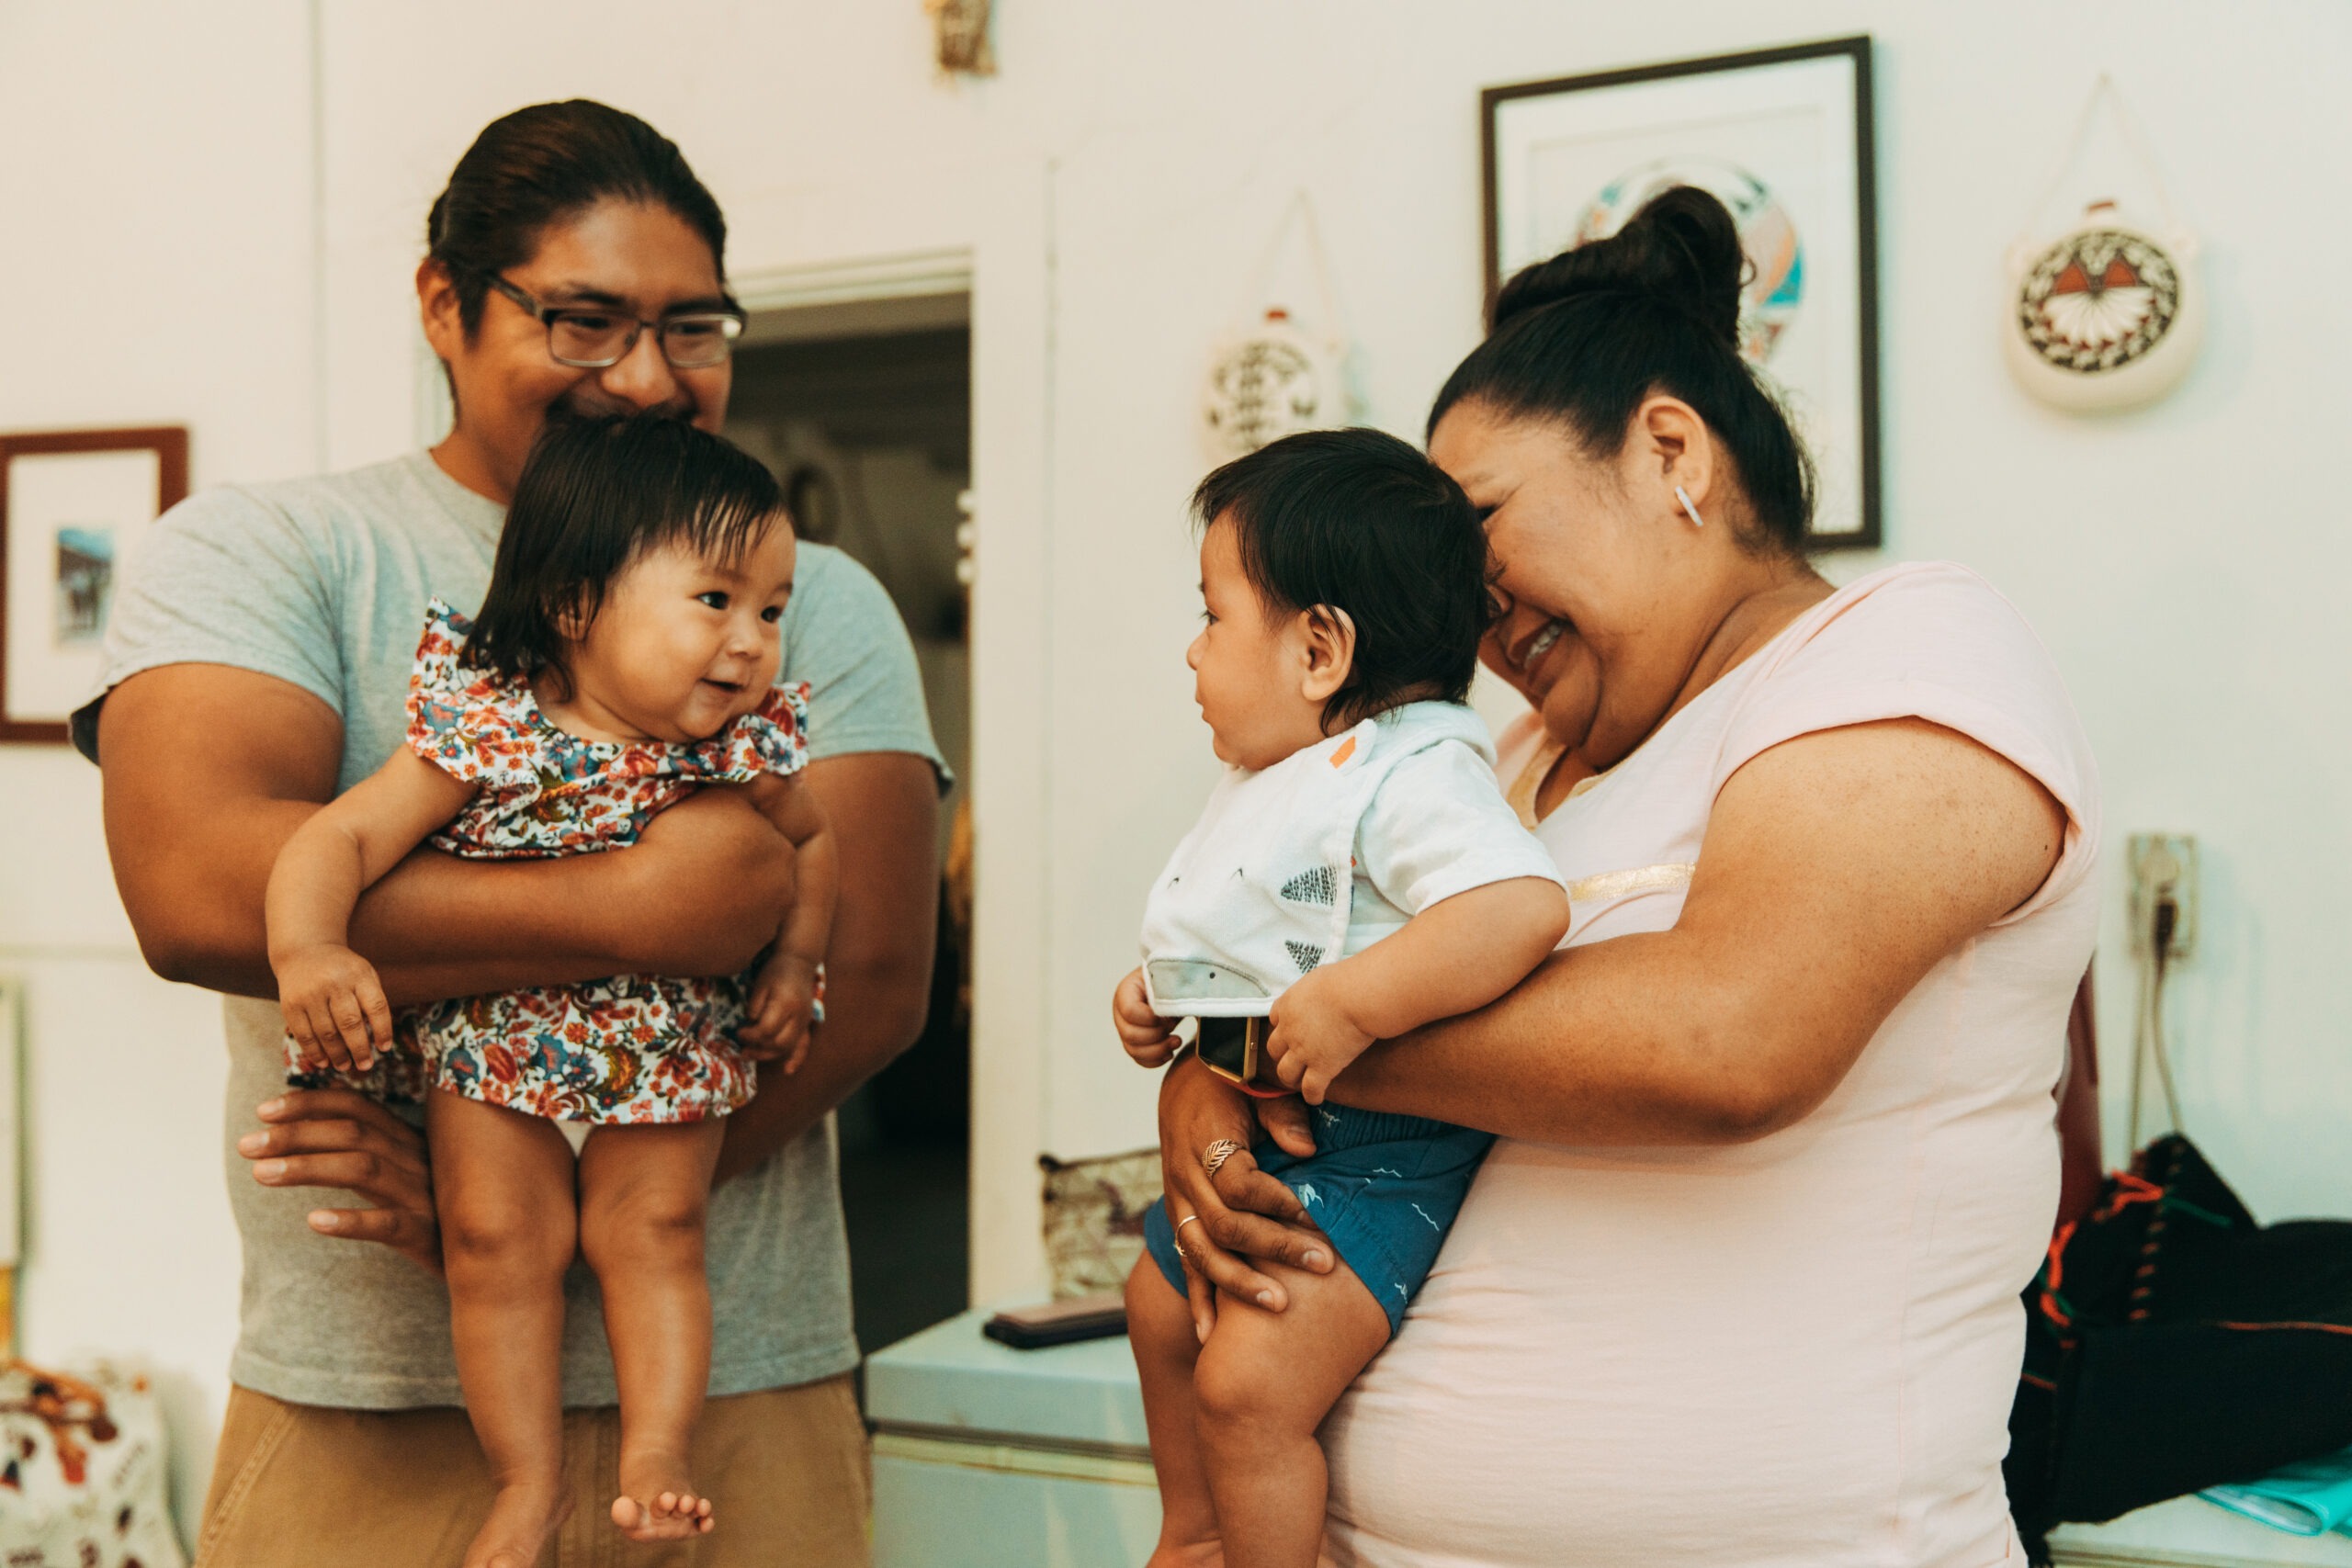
(1682, 246)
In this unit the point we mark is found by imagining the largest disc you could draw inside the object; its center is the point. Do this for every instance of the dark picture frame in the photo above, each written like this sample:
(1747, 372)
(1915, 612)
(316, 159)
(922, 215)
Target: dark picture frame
(80, 588)
(1561, 130)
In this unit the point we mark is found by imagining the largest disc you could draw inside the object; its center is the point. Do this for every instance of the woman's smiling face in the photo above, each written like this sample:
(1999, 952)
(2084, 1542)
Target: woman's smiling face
(1585, 576)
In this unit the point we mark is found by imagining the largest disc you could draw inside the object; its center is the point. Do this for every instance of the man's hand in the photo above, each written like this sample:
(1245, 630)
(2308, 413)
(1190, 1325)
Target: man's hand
(1315, 1036)
(339, 1138)
(784, 996)
(334, 1007)
(1148, 1038)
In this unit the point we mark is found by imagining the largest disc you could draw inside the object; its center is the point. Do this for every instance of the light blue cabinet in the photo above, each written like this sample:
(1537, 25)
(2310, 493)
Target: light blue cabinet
(985, 1457)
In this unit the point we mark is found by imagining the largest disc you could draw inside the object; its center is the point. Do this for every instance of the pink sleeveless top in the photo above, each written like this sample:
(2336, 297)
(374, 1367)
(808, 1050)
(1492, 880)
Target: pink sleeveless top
(1797, 1352)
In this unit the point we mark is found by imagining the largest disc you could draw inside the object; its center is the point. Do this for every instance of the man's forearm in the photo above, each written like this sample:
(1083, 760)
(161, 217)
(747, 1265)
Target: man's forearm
(441, 927)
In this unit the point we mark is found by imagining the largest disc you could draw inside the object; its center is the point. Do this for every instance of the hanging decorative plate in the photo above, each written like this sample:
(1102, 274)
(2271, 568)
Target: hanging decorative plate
(2106, 317)
(1268, 381)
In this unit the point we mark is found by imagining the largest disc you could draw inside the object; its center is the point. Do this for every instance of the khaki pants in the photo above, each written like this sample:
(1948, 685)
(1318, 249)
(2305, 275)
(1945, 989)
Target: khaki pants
(302, 1486)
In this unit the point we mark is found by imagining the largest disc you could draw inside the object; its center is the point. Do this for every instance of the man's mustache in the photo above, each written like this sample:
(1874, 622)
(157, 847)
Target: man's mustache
(586, 402)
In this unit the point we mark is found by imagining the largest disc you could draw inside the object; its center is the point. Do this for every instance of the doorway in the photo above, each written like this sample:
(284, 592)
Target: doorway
(863, 409)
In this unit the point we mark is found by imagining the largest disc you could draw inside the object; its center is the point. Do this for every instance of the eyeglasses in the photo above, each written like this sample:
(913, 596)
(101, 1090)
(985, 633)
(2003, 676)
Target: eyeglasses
(589, 338)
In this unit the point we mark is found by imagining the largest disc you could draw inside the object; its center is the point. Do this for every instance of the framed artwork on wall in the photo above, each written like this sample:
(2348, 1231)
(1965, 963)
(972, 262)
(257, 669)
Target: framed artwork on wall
(74, 507)
(1784, 137)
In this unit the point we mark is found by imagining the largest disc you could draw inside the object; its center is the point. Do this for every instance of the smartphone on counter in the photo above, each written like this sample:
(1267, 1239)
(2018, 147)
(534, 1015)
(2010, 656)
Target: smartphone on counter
(1059, 1323)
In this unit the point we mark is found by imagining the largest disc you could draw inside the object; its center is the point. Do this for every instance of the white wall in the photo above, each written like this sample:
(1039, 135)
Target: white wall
(154, 249)
(1115, 189)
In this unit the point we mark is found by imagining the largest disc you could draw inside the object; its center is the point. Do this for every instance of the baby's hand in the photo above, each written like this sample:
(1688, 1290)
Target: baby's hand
(1148, 1038)
(783, 995)
(1314, 1037)
(335, 1008)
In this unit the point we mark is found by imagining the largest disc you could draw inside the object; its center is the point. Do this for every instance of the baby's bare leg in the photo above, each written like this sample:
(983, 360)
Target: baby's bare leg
(644, 1193)
(1265, 1383)
(1159, 1331)
(502, 1183)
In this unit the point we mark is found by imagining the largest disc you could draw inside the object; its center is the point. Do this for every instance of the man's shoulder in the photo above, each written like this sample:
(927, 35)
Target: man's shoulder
(313, 507)
(830, 585)
(843, 636)
(840, 615)
(355, 493)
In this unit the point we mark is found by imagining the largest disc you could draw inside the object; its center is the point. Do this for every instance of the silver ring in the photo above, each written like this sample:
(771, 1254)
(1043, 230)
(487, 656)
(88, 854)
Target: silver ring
(1213, 1158)
(1180, 1235)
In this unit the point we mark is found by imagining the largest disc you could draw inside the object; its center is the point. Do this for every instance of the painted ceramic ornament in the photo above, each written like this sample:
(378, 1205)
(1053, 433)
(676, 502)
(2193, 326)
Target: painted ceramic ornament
(1267, 381)
(2106, 317)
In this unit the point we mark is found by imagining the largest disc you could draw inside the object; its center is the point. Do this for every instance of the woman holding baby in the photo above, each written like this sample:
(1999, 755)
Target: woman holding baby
(1738, 1281)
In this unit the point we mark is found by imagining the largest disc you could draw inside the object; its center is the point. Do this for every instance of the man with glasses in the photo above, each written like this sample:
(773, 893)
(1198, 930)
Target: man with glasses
(257, 664)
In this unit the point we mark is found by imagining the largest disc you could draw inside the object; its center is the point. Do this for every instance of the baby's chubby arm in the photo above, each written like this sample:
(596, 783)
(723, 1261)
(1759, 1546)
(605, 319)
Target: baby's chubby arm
(1454, 957)
(334, 1004)
(784, 992)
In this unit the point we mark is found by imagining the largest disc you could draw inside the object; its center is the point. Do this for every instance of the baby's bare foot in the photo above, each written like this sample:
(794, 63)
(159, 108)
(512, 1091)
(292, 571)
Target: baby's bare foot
(520, 1522)
(657, 1502)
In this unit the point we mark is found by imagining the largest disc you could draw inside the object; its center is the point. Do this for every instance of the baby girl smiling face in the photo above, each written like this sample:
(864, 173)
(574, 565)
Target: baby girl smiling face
(683, 643)
(1261, 676)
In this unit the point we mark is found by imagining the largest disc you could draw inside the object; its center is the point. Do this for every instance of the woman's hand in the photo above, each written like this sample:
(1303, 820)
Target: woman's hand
(707, 880)
(1148, 1038)
(337, 1137)
(1240, 1210)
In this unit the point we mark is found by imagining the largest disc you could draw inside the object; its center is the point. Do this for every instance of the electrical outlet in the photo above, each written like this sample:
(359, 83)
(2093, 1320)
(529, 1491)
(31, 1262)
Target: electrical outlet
(2163, 865)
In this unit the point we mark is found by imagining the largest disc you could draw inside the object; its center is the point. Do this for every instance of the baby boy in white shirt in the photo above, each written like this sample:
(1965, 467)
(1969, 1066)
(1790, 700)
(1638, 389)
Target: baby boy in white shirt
(1355, 876)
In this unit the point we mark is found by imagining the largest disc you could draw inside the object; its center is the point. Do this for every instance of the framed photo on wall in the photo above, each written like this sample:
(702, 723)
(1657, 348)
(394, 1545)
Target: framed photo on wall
(74, 506)
(1784, 137)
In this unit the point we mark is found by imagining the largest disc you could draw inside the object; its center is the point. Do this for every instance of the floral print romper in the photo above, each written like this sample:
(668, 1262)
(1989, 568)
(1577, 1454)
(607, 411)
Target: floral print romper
(632, 1048)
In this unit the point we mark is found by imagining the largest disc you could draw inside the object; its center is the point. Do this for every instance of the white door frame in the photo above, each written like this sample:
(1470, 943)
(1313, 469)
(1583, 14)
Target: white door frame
(1002, 260)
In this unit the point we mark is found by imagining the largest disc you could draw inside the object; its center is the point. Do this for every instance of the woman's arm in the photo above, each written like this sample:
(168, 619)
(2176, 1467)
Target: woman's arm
(1837, 869)
(1458, 955)
(209, 770)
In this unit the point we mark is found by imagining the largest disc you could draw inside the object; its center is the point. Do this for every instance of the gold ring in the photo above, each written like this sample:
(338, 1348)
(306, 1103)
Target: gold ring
(1213, 1158)
(1180, 1235)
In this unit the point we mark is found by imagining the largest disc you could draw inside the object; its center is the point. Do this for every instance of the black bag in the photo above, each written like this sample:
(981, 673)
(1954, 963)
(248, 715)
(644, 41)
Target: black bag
(2172, 1344)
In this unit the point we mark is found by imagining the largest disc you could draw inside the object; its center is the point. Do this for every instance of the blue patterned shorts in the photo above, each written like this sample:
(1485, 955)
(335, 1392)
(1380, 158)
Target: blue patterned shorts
(1384, 1188)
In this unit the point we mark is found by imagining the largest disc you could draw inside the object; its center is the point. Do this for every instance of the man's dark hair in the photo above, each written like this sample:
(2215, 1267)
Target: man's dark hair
(543, 164)
(1579, 340)
(597, 494)
(1358, 521)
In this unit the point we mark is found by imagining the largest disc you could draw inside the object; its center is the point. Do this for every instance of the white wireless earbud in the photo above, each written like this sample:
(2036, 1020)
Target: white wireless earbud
(1684, 497)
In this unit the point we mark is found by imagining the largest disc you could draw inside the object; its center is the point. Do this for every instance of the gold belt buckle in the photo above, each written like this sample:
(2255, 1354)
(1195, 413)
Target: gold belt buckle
(1235, 1050)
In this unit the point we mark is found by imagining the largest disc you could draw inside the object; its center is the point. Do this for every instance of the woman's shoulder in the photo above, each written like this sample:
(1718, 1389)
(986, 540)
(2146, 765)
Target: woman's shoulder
(1921, 605)
(1929, 640)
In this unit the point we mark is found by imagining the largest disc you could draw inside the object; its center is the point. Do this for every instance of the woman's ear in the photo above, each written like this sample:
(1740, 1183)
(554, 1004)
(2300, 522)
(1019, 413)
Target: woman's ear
(1673, 449)
(1329, 639)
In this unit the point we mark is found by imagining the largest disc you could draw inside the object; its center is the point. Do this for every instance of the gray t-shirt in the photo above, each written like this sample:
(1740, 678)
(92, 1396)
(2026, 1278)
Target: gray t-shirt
(324, 582)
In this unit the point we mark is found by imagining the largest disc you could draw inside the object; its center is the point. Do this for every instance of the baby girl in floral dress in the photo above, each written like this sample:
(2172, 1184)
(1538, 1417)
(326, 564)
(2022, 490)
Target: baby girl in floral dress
(625, 655)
